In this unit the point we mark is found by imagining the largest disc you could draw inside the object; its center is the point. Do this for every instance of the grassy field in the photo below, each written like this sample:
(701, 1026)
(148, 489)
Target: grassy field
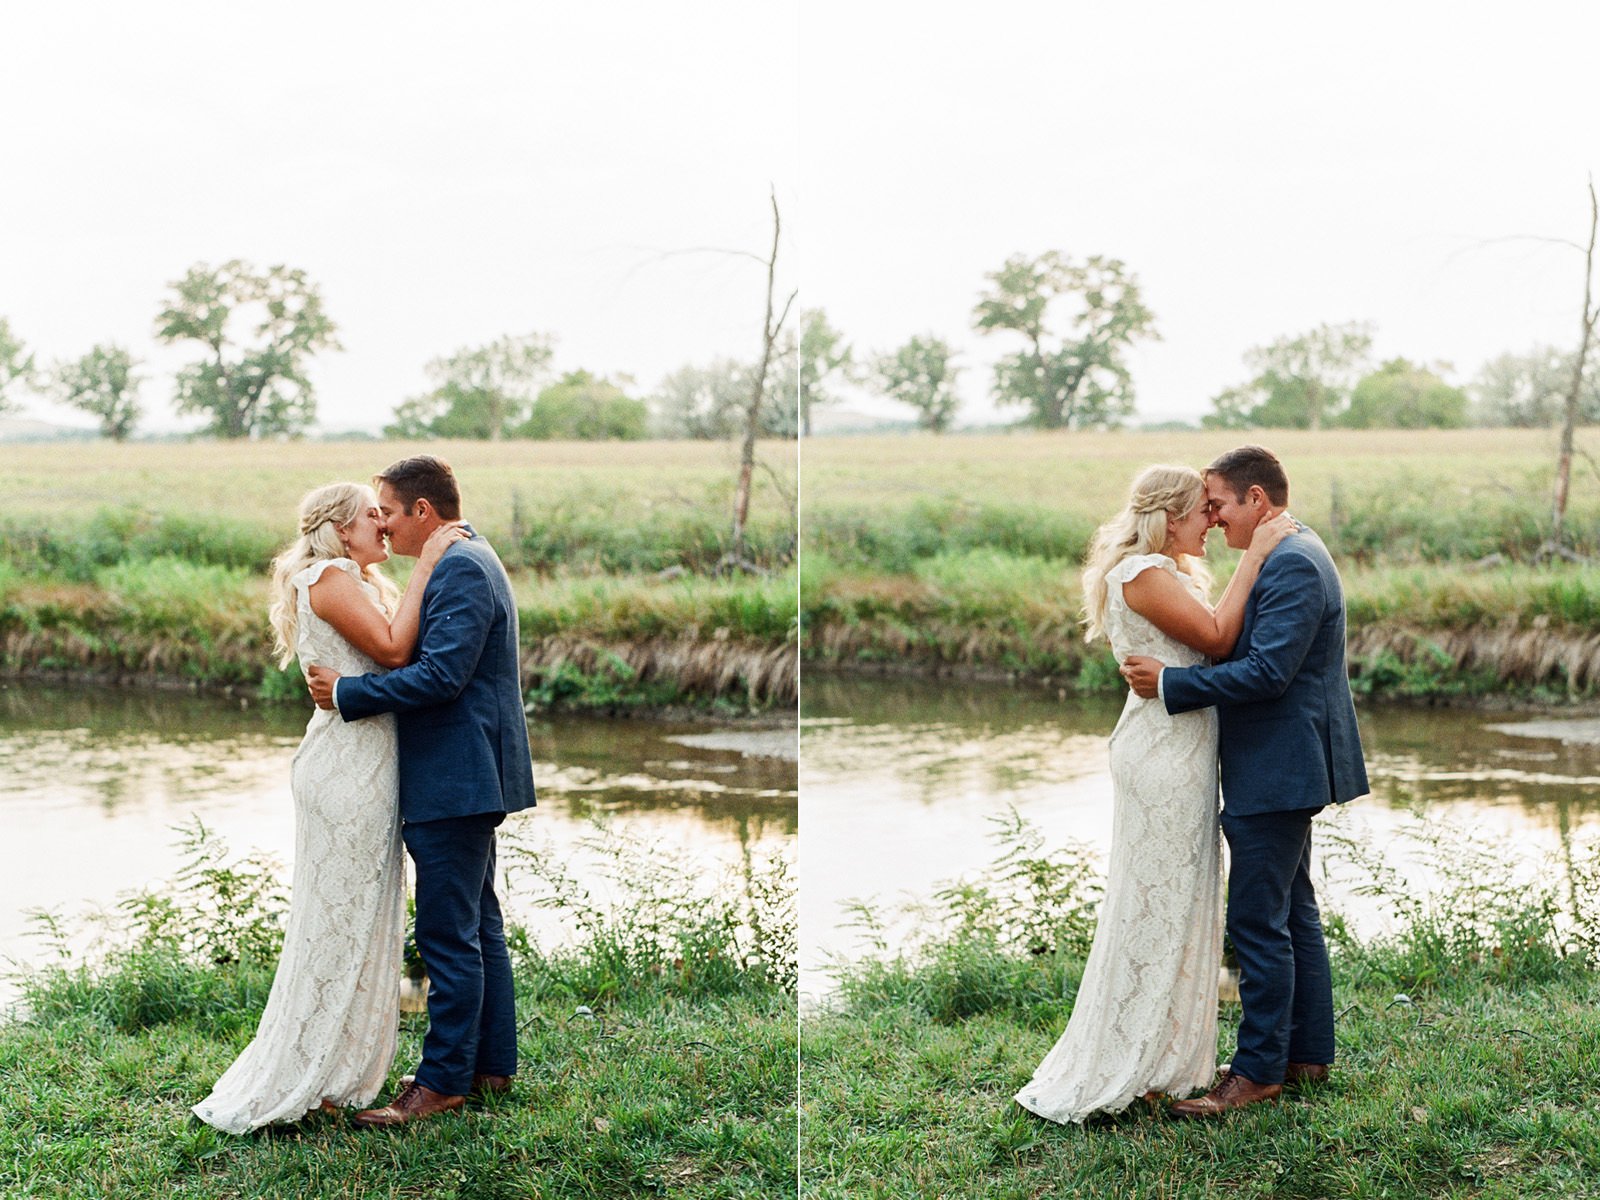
(1378, 495)
(963, 553)
(1468, 1059)
(548, 506)
(506, 486)
(149, 561)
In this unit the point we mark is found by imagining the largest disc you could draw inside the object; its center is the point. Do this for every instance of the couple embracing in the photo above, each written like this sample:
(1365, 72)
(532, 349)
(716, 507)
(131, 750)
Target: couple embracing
(419, 739)
(1257, 686)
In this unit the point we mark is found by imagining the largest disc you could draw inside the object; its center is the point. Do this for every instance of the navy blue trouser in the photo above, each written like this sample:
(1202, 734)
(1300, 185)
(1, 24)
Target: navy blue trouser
(472, 1019)
(1285, 988)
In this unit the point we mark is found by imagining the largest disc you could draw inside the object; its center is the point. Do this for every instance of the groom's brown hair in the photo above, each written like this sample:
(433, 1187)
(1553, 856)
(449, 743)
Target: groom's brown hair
(425, 478)
(1253, 466)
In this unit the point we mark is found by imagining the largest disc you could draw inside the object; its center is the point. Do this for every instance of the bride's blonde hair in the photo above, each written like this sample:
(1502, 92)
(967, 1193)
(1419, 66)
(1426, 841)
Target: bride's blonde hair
(324, 511)
(1158, 493)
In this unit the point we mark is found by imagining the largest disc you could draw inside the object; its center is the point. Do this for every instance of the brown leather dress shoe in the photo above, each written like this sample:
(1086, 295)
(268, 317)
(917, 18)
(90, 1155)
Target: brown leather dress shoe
(1235, 1091)
(414, 1103)
(1304, 1074)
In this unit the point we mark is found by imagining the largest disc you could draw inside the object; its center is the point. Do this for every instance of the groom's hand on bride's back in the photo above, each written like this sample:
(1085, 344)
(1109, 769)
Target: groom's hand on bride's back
(321, 681)
(1143, 675)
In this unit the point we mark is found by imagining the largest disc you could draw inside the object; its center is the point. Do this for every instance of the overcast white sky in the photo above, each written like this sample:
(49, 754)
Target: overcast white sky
(1262, 168)
(451, 175)
(447, 174)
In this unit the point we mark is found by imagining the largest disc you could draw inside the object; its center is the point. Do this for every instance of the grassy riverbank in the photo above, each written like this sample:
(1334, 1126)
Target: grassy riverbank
(1434, 631)
(962, 554)
(1468, 1059)
(657, 1058)
(148, 562)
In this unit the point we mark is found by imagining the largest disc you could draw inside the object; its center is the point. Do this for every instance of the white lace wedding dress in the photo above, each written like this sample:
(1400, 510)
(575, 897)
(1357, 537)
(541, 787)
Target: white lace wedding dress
(1145, 1017)
(331, 1021)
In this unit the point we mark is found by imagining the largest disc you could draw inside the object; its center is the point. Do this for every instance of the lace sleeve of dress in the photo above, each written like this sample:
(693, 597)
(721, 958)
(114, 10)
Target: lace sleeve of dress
(304, 578)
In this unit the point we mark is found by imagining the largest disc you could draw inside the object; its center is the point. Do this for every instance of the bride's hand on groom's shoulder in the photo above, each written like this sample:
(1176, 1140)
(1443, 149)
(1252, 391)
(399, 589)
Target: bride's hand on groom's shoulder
(440, 540)
(1269, 533)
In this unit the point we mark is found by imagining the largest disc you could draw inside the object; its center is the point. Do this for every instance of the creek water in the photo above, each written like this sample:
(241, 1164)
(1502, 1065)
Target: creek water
(94, 780)
(902, 778)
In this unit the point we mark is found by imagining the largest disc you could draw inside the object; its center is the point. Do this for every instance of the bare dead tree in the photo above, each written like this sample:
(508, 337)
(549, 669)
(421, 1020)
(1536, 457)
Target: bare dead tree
(1558, 517)
(736, 558)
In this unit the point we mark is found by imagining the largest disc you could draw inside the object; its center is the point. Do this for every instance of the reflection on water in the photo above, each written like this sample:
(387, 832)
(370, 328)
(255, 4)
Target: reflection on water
(901, 778)
(93, 780)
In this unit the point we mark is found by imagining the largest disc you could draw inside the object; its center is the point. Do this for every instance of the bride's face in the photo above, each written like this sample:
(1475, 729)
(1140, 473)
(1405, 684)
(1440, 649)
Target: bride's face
(1187, 534)
(364, 536)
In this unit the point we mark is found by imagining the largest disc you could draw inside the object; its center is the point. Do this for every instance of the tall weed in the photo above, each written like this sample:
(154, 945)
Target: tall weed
(662, 925)
(1481, 917)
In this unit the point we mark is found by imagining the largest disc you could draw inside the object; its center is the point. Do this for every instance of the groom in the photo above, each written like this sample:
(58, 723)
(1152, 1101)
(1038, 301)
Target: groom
(1288, 746)
(464, 764)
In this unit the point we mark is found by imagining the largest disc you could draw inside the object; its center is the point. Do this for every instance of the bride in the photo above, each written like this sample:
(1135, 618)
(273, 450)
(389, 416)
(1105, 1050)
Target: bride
(1145, 1018)
(328, 1034)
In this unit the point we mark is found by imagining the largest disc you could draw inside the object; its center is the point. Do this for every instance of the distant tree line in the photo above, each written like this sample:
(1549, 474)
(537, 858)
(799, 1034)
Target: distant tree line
(1068, 324)
(1072, 322)
(255, 332)
(1324, 378)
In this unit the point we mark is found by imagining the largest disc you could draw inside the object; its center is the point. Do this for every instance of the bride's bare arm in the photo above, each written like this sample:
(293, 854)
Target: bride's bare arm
(1236, 596)
(1172, 608)
(339, 600)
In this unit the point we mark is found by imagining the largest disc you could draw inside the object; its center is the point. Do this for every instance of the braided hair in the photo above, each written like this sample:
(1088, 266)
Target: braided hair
(1158, 493)
(323, 512)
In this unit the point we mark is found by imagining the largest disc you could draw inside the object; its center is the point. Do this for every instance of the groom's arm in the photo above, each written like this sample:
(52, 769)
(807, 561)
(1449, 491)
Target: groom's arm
(1289, 604)
(459, 616)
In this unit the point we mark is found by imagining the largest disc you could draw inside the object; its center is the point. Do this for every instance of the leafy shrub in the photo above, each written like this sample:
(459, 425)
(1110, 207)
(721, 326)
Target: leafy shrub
(1010, 938)
(158, 959)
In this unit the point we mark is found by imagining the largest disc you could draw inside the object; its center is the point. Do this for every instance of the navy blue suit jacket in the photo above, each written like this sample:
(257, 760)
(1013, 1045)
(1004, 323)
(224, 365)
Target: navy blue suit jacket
(458, 703)
(1285, 718)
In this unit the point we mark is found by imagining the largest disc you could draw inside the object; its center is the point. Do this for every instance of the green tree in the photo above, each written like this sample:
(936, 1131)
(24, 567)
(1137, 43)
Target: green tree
(1402, 395)
(103, 384)
(583, 408)
(1077, 319)
(921, 375)
(260, 329)
(1300, 382)
(825, 357)
(1527, 391)
(16, 366)
(482, 392)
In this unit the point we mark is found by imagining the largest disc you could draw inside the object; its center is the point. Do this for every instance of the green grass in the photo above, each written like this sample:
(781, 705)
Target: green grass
(655, 1096)
(1468, 1056)
(657, 1052)
(1480, 1091)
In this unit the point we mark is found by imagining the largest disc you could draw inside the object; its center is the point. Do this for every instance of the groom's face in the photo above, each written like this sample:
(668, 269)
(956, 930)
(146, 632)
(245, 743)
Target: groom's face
(1235, 517)
(406, 531)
